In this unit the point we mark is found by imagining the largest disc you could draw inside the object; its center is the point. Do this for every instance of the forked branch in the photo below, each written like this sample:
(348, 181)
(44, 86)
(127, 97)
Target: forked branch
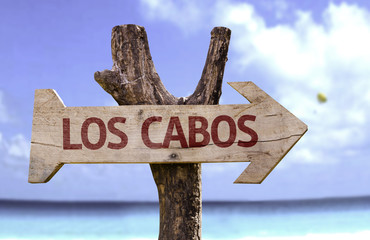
(133, 80)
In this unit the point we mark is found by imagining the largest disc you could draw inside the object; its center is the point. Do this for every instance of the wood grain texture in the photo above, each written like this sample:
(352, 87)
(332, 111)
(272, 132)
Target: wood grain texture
(133, 80)
(277, 129)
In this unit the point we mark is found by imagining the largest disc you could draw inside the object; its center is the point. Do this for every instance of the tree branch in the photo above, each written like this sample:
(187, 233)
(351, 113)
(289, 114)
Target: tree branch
(208, 91)
(133, 80)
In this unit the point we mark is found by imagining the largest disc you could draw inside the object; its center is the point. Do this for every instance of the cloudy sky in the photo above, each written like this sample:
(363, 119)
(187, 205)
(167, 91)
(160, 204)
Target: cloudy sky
(291, 49)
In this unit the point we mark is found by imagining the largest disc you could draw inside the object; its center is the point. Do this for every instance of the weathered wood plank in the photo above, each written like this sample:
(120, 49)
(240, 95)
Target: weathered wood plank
(261, 132)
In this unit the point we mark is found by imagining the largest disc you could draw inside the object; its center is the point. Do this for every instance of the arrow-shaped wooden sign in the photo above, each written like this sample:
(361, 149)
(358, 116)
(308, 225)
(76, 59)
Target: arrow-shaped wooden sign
(261, 133)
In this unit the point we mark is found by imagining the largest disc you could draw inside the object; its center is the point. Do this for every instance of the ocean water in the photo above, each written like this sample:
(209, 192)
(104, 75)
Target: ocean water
(308, 219)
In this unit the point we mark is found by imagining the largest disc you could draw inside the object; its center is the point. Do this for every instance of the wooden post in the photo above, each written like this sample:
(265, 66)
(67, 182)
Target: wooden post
(133, 80)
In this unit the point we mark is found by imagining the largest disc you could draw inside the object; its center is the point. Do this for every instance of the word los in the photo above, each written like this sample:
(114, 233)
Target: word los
(174, 123)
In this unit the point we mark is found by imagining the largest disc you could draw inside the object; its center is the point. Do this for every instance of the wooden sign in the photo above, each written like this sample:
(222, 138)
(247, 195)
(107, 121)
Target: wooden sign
(261, 133)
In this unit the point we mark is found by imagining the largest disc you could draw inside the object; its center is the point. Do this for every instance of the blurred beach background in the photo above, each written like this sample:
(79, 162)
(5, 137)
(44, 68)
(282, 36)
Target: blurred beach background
(313, 57)
(308, 219)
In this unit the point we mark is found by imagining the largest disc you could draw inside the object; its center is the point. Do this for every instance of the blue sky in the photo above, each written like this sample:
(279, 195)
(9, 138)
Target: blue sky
(291, 49)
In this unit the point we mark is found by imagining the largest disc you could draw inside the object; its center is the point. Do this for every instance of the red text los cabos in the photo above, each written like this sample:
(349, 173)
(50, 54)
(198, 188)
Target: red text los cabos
(199, 128)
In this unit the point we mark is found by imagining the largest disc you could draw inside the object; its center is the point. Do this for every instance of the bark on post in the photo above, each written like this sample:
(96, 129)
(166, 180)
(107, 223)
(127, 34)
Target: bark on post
(133, 80)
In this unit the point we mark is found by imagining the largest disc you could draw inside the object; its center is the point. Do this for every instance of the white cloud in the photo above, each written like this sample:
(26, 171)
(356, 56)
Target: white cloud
(186, 14)
(277, 7)
(14, 150)
(281, 7)
(299, 60)
(14, 158)
(4, 114)
(19, 146)
(306, 58)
